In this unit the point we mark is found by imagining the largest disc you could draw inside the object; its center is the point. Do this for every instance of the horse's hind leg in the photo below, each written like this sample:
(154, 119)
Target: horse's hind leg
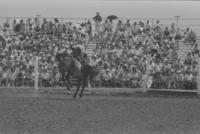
(68, 80)
(78, 86)
(63, 79)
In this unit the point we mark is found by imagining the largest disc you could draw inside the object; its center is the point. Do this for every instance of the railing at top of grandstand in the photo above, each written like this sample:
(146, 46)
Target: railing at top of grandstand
(90, 18)
(180, 22)
(152, 20)
(82, 18)
(43, 17)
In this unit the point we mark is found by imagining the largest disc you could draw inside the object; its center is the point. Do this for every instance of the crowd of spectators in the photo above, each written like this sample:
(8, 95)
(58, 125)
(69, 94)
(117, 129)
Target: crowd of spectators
(126, 53)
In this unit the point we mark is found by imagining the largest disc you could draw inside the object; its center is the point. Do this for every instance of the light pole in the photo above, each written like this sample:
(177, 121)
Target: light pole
(177, 19)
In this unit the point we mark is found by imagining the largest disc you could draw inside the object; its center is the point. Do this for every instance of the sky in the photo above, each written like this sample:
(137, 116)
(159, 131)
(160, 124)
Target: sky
(88, 8)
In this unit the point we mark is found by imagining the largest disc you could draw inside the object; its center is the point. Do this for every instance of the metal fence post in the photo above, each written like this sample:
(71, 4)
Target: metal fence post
(36, 73)
(152, 22)
(177, 20)
(198, 77)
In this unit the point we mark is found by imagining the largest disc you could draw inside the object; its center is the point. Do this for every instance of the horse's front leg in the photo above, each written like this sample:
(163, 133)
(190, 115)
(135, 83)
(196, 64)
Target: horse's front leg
(83, 87)
(63, 79)
(78, 86)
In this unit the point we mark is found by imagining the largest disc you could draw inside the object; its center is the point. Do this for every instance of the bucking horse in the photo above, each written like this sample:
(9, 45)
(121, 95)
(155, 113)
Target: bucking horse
(71, 67)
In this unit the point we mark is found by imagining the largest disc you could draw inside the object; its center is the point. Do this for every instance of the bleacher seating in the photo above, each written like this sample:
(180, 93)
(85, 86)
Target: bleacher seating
(90, 48)
(183, 49)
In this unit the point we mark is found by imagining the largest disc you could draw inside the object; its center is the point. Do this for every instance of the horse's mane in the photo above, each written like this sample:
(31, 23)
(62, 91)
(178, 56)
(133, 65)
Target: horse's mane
(58, 56)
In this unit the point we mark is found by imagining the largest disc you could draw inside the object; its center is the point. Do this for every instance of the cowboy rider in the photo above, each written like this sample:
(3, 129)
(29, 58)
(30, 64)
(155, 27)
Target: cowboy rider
(78, 54)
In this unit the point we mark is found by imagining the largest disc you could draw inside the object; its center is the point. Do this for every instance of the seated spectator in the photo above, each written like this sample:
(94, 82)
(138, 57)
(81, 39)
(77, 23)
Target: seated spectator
(192, 37)
(189, 81)
(189, 59)
(4, 80)
(195, 50)
(45, 78)
(116, 78)
(179, 34)
(135, 77)
(107, 77)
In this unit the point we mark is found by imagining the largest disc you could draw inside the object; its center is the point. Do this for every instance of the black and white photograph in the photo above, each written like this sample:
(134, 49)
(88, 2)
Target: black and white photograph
(99, 67)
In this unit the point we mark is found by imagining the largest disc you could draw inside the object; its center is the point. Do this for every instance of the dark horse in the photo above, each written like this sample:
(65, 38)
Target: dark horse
(69, 66)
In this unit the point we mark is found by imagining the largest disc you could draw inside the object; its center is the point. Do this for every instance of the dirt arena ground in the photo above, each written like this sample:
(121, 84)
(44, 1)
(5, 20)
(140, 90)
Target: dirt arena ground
(60, 114)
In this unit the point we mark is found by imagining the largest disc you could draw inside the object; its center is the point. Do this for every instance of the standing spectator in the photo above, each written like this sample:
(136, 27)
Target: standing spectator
(128, 28)
(157, 25)
(166, 33)
(106, 26)
(6, 25)
(120, 27)
(22, 27)
(14, 25)
(186, 34)
(44, 26)
(172, 32)
(135, 28)
(28, 25)
(89, 28)
(97, 19)
(147, 26)
(37, 25)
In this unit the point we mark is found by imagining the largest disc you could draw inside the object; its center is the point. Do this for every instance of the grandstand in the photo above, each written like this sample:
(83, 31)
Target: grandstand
(118, 50)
